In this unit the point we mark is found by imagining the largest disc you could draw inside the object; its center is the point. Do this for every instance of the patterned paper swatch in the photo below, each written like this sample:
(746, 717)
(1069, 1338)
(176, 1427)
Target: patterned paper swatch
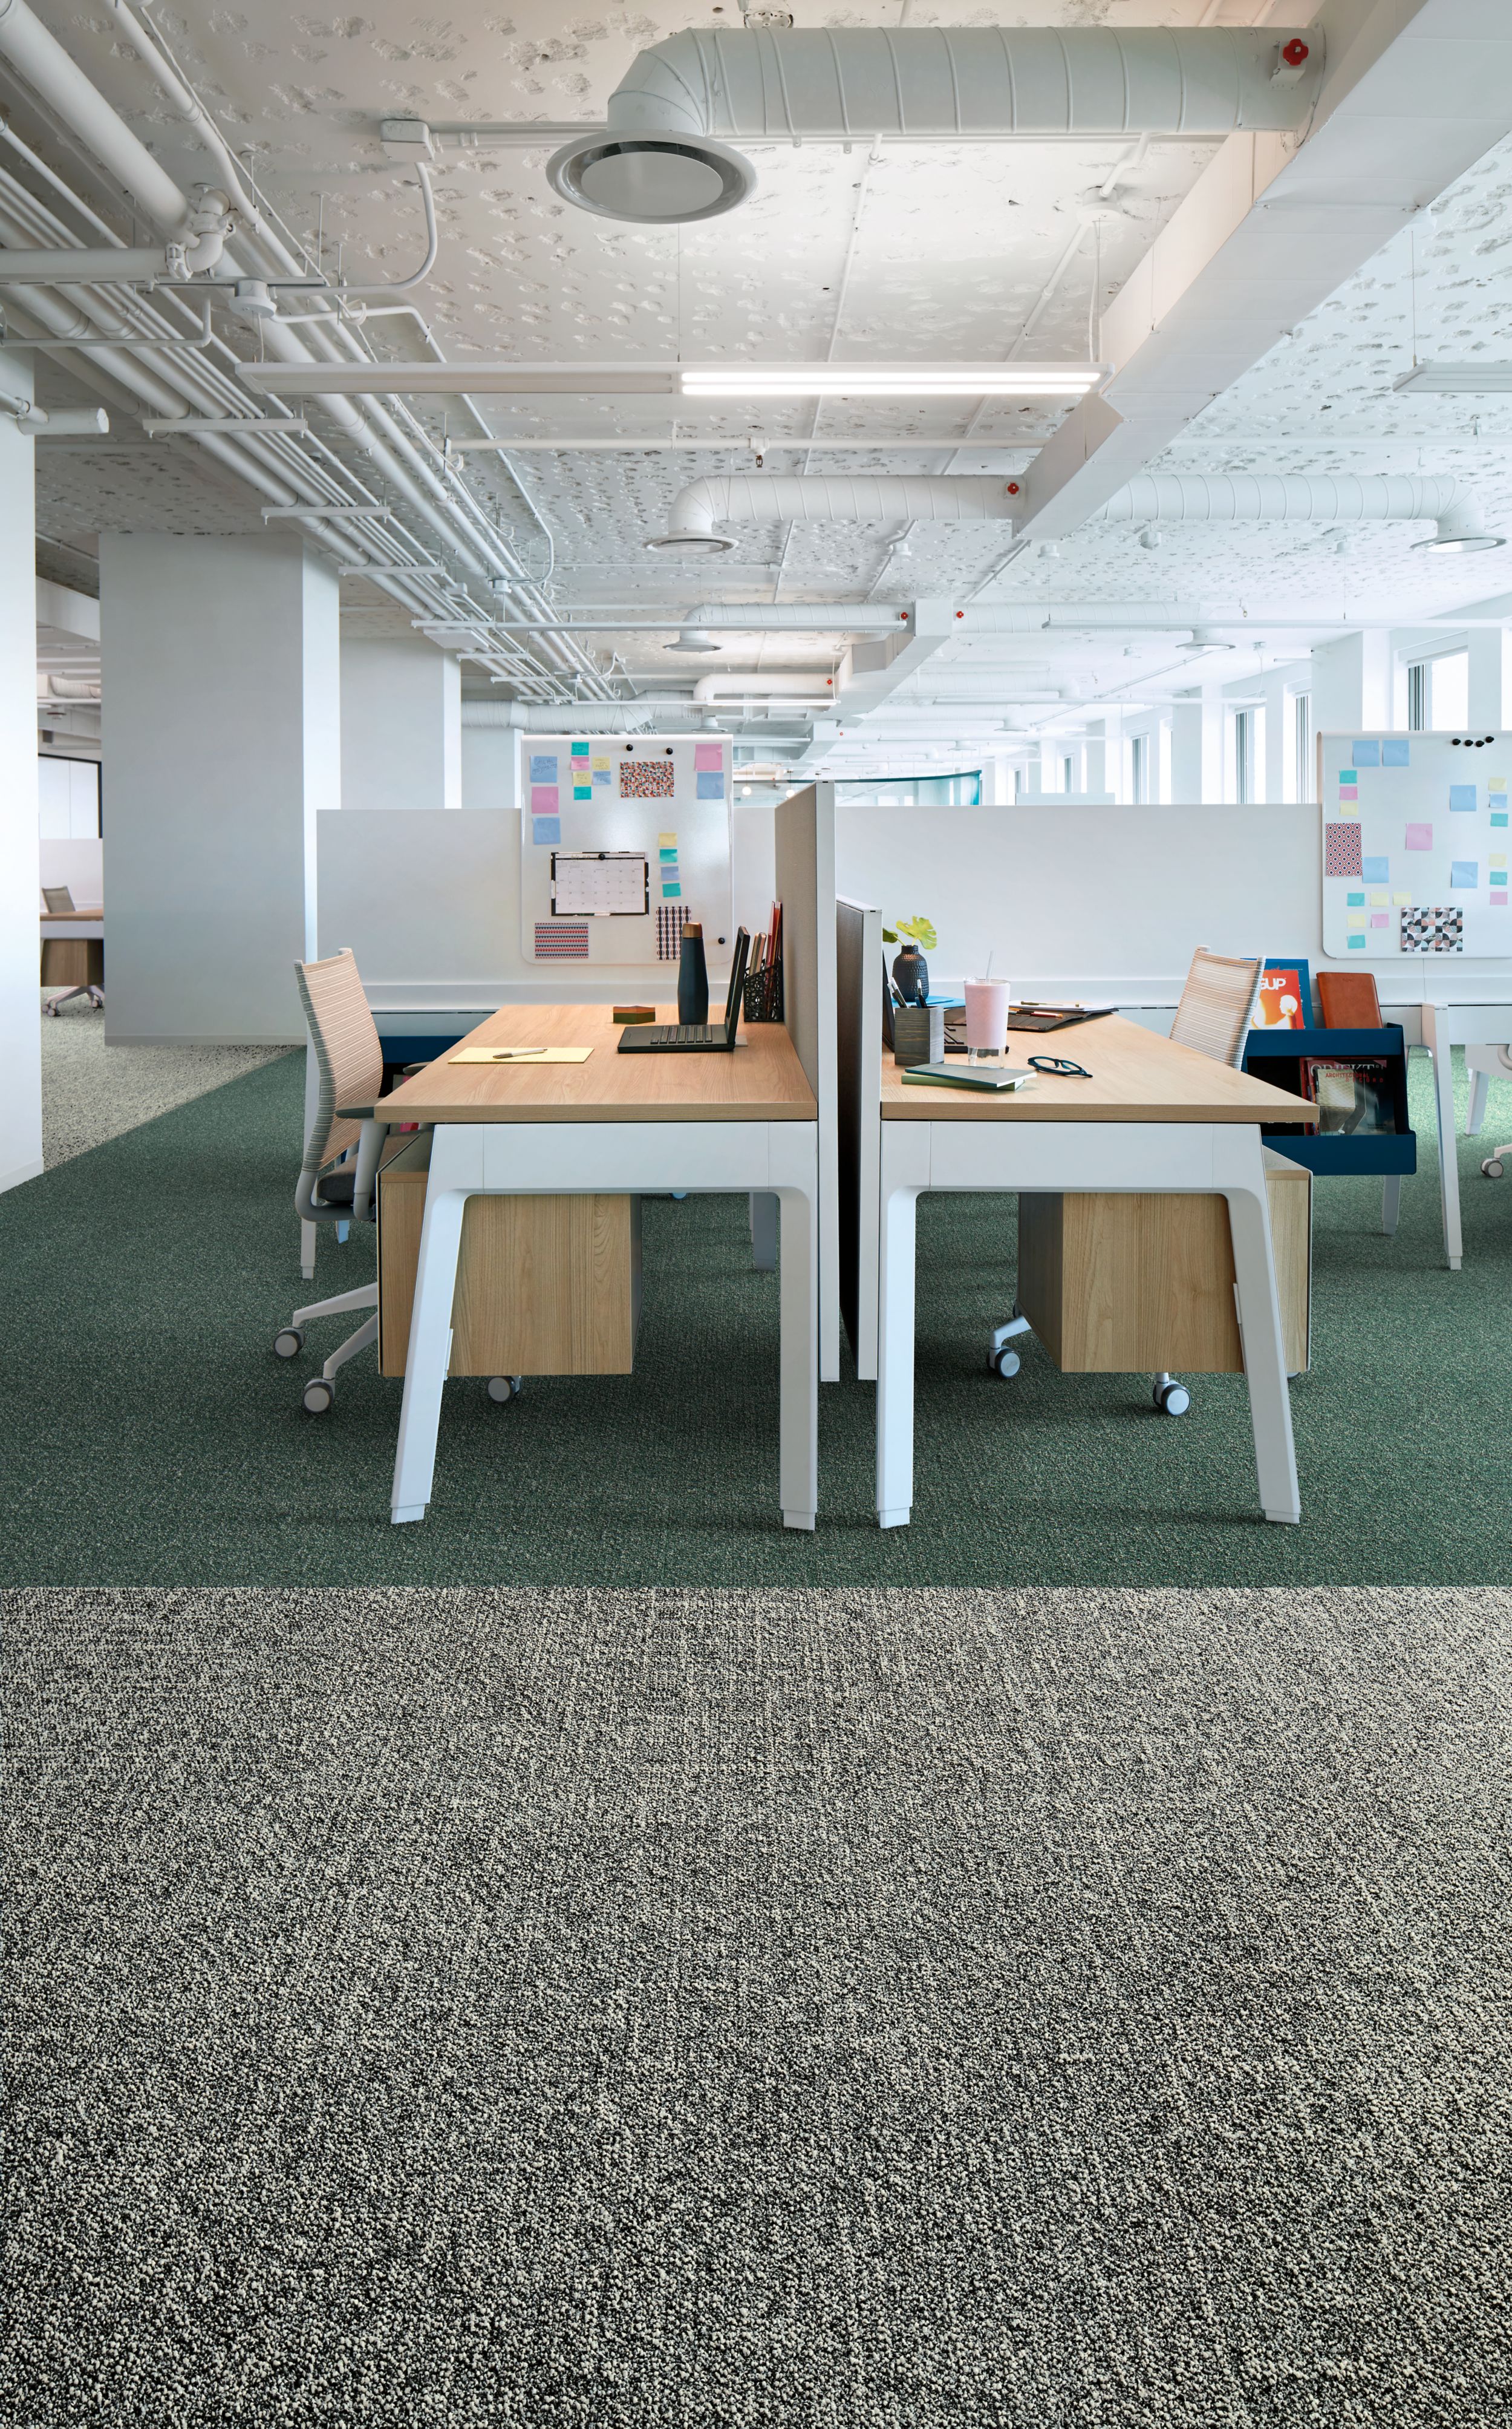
(1341, 850)
(1440, 930)
(670, 923)
(645, 780)
(561, 940)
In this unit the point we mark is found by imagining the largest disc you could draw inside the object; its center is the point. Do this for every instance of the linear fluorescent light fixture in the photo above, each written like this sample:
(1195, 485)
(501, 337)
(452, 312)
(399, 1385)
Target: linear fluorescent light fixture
(892, 379)
(691, 380)
(1456, 379)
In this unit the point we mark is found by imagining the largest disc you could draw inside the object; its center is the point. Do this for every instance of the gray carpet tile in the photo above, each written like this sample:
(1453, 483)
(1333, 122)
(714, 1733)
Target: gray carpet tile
(93, 1092)
(849, 2009)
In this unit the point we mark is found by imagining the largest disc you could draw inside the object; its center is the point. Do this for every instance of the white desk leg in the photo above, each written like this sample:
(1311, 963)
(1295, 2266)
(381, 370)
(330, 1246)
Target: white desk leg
(1260, 1324)
(1479, 1082)
(798, 1312)
(1443, 1080)
(897, 1265)
(430, 1342)
(763, 1230)
(1391, 1204)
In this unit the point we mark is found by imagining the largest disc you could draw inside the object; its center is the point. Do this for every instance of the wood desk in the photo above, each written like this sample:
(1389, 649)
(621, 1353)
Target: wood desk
(1154, 1117)
(619, 1122)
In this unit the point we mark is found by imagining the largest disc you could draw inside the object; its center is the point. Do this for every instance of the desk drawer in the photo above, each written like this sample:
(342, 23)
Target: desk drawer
(73, 961)
(545, 1285)
(1125, 1282)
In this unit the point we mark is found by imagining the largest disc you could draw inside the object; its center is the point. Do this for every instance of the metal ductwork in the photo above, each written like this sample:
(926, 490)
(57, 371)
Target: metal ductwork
(1176, 498)
(806, 686)
(664, 151)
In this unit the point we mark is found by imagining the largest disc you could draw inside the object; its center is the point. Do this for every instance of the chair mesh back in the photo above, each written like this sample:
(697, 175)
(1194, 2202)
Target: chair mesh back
(348, 1052)
(1217, 1006)
(57, 897)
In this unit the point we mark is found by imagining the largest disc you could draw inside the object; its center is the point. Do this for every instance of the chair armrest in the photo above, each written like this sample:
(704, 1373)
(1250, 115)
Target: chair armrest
(359, 1114)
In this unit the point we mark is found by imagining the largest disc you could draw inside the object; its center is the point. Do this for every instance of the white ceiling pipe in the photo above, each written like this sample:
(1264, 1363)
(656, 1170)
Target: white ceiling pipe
(780, 687)
(121, 265)
(832, 497)
(1437, 498)
(661, 157)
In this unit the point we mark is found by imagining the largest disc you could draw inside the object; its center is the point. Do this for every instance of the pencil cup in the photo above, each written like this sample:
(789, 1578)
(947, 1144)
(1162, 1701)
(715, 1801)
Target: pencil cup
(917, 1032)
(986, 1019)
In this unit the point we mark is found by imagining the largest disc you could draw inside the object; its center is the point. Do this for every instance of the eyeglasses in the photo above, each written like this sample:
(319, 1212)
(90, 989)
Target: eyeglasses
(1057, 1067)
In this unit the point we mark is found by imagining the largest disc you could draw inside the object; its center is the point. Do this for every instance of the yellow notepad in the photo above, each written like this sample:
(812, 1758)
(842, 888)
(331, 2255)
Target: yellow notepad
(532, 1055)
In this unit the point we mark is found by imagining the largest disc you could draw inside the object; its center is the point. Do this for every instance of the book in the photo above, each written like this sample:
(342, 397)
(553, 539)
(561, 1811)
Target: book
(1355, 1100)
(1348, 999)
(1282, 998)
(627, 1014)
(957, 1075)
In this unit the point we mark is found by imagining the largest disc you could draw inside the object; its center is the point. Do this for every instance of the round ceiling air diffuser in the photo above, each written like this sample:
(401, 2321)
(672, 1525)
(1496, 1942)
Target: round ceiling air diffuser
(655, 181)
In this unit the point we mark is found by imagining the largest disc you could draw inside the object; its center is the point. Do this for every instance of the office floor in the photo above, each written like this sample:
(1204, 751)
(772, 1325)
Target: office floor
(91, 1094)
(149, 1436)
(863, 2010)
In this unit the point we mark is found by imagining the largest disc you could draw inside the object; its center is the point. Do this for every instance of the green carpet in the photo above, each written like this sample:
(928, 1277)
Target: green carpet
(149, 1437)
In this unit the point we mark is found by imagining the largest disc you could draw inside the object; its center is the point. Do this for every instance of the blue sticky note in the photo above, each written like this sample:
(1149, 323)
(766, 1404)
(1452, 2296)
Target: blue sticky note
(1499, 818)
(546, 831)
(667, 850)
(1354, 901)
(583, 792)
(1376, 868)
(1365, 754)
(543, 768)
(711, 788)
(1462, 797)
(671, 893)
(1347, 776)
(579, 751)
(1394, 754)
(1464, 872)
(1357, 944)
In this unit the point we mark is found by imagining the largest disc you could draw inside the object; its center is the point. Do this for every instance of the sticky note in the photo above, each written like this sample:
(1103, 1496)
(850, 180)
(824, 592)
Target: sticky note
(1400, 897)
(1376, 869)
(1498, 860)
(1357, 944)
(1464, 872)
(1380, 919)
(1354, 901)
(1499, 818)
(543, 767)
(666, 839)
(1394, 754)
(1347, 776)
(1365, 754)
(546, 831)
(671, 893)
(710, 789)
(1420, 837)
(667, 852)
(1462, 797)
(579, 751)
(1349, 792)
(1377, 898)
(707, 756)
(544, 800)
(1499, 898)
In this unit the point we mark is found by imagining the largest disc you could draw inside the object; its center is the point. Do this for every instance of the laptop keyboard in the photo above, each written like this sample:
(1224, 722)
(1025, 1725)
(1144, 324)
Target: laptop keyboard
(686, 1033)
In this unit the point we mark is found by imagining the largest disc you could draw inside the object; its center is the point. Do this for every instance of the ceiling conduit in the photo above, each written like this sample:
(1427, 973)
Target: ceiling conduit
(1181, 498)
(663, 153)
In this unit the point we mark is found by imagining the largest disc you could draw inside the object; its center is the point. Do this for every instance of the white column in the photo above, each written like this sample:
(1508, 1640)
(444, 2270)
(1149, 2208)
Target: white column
(1490, 679)
(221, 675)
(20, 1073)
(1352, 684)
(490, 768)
(1197, 746)
(400, 726)
(1277, 741)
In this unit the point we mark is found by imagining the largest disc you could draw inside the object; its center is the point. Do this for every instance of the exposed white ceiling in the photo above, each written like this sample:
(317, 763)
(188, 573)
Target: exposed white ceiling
(921, 253)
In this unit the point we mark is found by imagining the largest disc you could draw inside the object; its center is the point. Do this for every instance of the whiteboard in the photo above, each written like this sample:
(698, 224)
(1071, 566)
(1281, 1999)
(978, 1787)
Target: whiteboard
(1416, 844)
(599, 885)
(661, 801)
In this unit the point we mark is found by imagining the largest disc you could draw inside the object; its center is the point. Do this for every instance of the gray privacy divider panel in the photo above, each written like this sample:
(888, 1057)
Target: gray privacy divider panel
(858, 1121)
(805, 869)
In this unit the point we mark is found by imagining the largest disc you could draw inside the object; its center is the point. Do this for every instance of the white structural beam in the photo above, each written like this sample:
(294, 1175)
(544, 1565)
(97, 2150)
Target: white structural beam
(871, 671)
(1415, 91)
(20, 1081)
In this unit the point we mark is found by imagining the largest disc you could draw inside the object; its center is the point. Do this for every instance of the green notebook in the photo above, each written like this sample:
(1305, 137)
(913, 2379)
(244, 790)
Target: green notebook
(963, 1075)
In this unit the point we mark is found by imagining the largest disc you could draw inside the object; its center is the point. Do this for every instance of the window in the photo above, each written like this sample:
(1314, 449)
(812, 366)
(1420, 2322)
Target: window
(1417, 698)
(1449, 691)
(1243, 754)
(68, 799)
(1068, 778)
(914, 792)
(1304, 781)
(1139, 768)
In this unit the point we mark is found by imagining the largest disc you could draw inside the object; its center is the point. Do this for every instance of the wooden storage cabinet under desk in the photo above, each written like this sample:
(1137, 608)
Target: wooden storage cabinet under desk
(1124, 1284)
(545, 1285)
(73, 961)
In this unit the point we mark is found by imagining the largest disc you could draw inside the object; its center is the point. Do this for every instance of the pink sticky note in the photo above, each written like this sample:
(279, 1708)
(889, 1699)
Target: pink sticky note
(1379, 918)
(544, 803)
(708, 758)
(1349, 792)
(1499, 898)
(1419, 839)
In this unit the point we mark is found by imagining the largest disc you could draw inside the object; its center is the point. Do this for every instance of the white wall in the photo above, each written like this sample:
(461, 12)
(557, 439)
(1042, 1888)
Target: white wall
(401, 725)
(67, 797)
(221, 728)
(80, 866)
(21, 1081)
(487, 767)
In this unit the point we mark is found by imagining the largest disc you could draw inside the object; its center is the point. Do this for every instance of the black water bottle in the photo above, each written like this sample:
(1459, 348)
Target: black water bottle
(693, 976)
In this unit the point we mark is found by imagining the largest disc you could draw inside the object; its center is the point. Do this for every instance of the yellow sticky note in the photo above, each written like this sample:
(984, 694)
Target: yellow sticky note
(667, 838)
(1378, 898)
(1402, 899)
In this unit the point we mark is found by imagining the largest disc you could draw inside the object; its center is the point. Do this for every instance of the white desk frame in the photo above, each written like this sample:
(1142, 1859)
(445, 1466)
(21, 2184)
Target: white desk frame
(522, 1158)
(1223, 1158)
(1484, 1030)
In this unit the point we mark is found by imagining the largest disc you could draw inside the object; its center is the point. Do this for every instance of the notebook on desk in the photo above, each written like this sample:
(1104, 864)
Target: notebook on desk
(696, 1036)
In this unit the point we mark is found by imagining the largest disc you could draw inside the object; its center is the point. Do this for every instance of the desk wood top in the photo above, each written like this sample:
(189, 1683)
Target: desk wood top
(80, 911)
(761, 1081)
(1137, 1077)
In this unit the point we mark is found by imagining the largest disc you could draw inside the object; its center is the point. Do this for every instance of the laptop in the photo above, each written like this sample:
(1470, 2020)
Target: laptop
(696, 1036)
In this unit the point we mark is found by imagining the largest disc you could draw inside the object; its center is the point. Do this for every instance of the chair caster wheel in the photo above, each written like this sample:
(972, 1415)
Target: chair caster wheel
(503, 1387)
(1492, 1168)
(319, 1395)
(1004, 1363)
(1172, 1400)
(289, 1343)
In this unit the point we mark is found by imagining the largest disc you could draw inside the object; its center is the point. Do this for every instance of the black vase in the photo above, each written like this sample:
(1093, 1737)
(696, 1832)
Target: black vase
(693, 976)
(911, 975)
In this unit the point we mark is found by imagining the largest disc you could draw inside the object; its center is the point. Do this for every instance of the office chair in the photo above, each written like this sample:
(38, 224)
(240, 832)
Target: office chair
(61, 898)
(1213, 1017)
(335, 1181)
(1493, 1166)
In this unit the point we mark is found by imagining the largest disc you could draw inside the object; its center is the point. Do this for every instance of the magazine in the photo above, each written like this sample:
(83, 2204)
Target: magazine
(1354, 1099)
